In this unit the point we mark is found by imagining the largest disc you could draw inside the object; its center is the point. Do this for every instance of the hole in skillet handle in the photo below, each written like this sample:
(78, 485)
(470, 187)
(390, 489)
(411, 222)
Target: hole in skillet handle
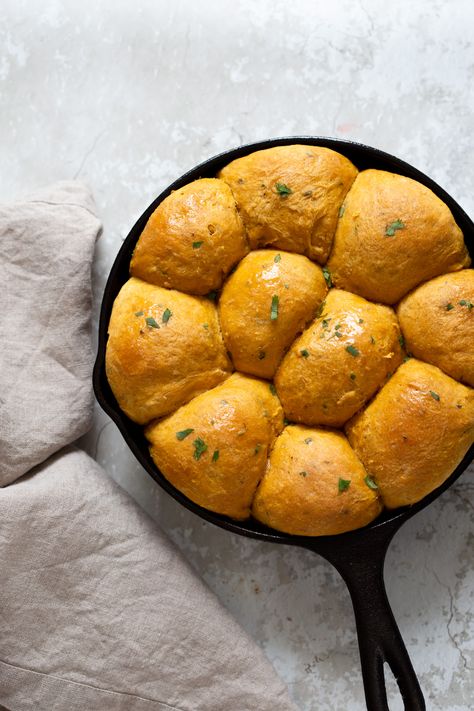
(359, 555)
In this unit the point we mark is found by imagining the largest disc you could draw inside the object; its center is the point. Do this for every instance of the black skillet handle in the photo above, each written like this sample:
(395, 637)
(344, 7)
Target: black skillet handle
(361, 565)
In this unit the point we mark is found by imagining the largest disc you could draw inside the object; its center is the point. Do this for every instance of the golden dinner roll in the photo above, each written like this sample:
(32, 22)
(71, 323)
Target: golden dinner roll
(164, 348)
(415, 432)
(393, 234)
(341, 359)
(214, 449)
(264, 304)
(289, 196)
(437, 320)
(192, 239)
(315, 485)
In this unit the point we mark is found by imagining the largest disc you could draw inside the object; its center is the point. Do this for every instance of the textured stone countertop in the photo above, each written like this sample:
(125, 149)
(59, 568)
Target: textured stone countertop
(127, 96)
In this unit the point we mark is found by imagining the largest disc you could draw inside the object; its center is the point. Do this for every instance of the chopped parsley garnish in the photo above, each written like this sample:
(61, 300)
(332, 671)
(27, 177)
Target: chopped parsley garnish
(286, 421)
(393, 227)
(325, 322)
(449, 307)
(196, 245)
(261, 355)
(205, 326)
(199, 448)
(401, 341)
(215, 456)
(212, 295)
(370, 482)
(277, 258)
(353, 351)
(352, 376)
(272, 389)
(338, 334)
(167, 314)
(327, 276)
(308, 440)
(304, 474)
(139, 313)
(372, 339)
(274, 308)
(304, 353)
(150, 321)
(257, 449)
(407, 357)
(320, 309)
(184, 433)
(342, 210)
(361, 320)
(466, 303)
(435, 396)
(283, 190)
(343, 485)
(337, 326)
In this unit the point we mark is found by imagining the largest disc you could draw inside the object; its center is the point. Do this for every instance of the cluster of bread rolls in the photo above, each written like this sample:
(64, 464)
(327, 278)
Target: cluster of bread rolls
(297, 338)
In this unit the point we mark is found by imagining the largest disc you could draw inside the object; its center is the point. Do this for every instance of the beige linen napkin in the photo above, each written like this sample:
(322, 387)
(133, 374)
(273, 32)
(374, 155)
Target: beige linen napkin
(98, 610)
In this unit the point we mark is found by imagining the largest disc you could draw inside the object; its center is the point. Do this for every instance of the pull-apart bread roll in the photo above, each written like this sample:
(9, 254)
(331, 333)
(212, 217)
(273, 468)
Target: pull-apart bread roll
(338, 363)
(289, 196)
(214, 449)
(414, 433)
(393, 234)
(192, 239)
(437, 320)
(315, 485)
(264, 304)
(164, 348)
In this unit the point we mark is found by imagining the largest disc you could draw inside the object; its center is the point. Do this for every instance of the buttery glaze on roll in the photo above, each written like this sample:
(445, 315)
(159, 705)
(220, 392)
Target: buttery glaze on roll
(414, 433)
(264, 304)
(289, 196)
(437, 320)
(214, 449)
(164, 348)
(192, 239)
(315, 485)
(338, 363)
(393, 233)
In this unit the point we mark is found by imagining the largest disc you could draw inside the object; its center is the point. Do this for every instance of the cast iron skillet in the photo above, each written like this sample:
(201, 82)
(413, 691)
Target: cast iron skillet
(359, 555)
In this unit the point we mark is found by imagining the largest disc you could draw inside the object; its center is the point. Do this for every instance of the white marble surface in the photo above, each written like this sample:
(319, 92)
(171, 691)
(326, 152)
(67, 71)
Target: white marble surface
(127, 96)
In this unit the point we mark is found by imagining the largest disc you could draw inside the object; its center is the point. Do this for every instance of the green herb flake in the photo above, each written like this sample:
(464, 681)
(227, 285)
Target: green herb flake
(283, 190)
(150, 321)
(449, 307)
(342, 210)
(407, 357)
(343, 485)
(196, 245)
(308, 440)
(272, 389)
(327, 276)
(261, 355)
(361, 320)
(167, 314)
(337, 326)
(277, 258)
(393, 227)
(205, 326)
(286, 421)
(435, 396)
(139, 313)
(352, 376)
(370, 482)
(215, 456)
(469, 305)
(353, 351)
(303, 474)
(257, 449)
(212, 296)
(199, 448)
(338, 334)
(320, 309)
(325, 322)
(274, 308)
(372, 340)
(401, 341)
(304, 353)
(183, 434)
